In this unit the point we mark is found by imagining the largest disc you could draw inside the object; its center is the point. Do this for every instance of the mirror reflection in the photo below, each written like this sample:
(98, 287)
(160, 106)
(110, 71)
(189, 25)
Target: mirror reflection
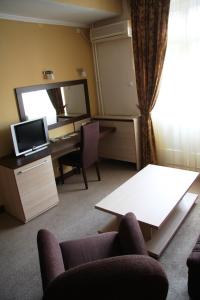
(37, 104)
(58, 102)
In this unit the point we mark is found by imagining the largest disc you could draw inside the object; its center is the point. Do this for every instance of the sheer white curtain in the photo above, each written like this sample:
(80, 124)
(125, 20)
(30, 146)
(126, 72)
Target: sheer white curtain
(176, 116)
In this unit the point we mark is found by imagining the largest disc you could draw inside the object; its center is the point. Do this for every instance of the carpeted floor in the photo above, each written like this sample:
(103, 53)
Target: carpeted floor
(76, 217)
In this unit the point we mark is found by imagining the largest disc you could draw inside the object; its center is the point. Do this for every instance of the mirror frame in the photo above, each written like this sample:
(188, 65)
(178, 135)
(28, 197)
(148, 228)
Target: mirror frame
(20, 106)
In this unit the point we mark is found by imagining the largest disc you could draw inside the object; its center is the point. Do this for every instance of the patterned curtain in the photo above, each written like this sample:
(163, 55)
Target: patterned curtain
(56, 99)
(149, 27)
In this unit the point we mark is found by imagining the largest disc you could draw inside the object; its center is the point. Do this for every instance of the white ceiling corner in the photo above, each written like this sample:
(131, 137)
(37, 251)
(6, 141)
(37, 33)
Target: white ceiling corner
(51, 12)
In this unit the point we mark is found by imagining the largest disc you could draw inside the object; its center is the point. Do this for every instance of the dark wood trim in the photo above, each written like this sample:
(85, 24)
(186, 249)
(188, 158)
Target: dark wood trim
(68, 121)
(105, 130)
(2, 209)
(117, 119)
(20, 106)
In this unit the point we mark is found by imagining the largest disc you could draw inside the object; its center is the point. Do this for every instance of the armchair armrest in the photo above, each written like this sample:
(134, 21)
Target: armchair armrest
(193, 261)
(193, 264)
(111, 278)
(130, 236)
(50, 257)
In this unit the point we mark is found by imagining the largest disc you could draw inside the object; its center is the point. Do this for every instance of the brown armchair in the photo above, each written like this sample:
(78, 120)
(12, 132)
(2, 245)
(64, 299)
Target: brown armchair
(193, 264)
(113, 265)
(88, 153)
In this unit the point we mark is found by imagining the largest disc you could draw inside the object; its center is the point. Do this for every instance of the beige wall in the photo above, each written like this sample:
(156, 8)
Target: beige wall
(26, 49)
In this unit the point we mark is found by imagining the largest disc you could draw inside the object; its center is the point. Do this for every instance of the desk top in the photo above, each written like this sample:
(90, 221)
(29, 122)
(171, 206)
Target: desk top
(151, 194)
(56, 150)
(61, 147)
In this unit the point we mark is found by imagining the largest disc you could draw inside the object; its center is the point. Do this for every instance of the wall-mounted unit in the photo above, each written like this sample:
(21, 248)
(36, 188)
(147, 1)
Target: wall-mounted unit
(111, 31)
(114, 69)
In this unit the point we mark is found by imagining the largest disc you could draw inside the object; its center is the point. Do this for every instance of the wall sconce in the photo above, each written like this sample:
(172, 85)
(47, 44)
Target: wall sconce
(81, 72)
(48, 74)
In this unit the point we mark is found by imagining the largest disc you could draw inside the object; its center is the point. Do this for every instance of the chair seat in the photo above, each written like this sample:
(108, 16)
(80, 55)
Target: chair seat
(71, 159)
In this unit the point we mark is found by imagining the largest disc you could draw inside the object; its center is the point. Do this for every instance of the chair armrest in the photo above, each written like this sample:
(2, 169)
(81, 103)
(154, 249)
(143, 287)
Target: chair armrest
(111, 278)
(193, 261)
(130, 236)
(50, 257)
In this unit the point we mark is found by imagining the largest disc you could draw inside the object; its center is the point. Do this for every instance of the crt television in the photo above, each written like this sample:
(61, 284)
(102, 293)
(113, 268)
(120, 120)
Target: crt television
(29, 136)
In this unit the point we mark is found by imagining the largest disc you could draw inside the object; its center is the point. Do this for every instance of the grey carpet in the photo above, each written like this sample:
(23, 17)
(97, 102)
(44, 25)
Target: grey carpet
(76, 217)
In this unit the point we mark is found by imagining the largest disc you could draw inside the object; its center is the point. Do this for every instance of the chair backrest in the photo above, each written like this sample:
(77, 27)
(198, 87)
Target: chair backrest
(89, 143)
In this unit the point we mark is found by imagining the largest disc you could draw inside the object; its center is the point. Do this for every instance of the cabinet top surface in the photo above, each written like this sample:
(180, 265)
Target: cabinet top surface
(13, 162)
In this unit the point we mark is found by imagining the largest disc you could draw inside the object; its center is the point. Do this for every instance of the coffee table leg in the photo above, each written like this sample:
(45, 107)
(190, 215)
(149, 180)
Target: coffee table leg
(113, 225)
(146, 231)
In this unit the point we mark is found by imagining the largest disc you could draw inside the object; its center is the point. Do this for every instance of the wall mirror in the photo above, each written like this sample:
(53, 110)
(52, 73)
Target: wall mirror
(61, 102)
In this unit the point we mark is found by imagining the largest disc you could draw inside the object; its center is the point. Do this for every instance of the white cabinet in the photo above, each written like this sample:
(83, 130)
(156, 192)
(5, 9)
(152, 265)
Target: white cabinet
(28, 190)
(122, 144)
(117, 92)
(114, 69)
(116, 84)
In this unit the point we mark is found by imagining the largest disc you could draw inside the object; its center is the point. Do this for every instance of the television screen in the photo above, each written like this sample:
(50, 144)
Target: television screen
(29, 136)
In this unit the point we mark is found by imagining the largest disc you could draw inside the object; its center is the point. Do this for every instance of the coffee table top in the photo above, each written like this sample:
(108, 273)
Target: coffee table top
(151, 194)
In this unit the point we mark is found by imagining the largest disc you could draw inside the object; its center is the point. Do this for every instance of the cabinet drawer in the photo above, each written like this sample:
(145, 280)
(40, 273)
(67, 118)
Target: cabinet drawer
(120, 144)
(36, 186)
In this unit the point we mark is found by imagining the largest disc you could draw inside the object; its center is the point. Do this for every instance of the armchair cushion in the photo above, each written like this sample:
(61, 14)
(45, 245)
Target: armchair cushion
(121, 277)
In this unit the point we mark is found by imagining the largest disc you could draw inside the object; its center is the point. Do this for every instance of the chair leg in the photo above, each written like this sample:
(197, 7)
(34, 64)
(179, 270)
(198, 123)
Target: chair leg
(78, 170)
(85, 178)
(61, 173)
(97, 170)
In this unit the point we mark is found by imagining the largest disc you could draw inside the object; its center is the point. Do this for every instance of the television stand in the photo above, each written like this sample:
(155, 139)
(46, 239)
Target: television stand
(28, 185)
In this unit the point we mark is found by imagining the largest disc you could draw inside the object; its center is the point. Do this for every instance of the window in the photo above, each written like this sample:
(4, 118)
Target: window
(176, 116)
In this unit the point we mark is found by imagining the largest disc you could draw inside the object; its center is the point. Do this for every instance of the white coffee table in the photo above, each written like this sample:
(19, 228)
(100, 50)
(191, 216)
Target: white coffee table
(158, 197)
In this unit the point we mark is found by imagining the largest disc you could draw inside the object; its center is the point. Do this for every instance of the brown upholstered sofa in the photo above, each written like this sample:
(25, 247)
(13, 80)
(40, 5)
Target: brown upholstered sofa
(193, 263)
(112, 265)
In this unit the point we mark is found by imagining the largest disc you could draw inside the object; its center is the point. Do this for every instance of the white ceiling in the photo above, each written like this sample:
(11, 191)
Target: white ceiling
(51, 12)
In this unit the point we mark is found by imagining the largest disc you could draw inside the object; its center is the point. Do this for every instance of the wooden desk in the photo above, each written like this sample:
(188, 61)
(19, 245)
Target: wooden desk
(27, 183)
(56, 150)
(62, 147)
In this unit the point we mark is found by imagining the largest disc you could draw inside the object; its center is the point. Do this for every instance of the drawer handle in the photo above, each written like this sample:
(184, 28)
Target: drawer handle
(33, 167)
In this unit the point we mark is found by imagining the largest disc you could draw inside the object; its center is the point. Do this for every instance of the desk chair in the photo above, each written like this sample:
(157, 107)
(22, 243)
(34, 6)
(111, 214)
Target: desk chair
(87, 155)
(106, 266)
